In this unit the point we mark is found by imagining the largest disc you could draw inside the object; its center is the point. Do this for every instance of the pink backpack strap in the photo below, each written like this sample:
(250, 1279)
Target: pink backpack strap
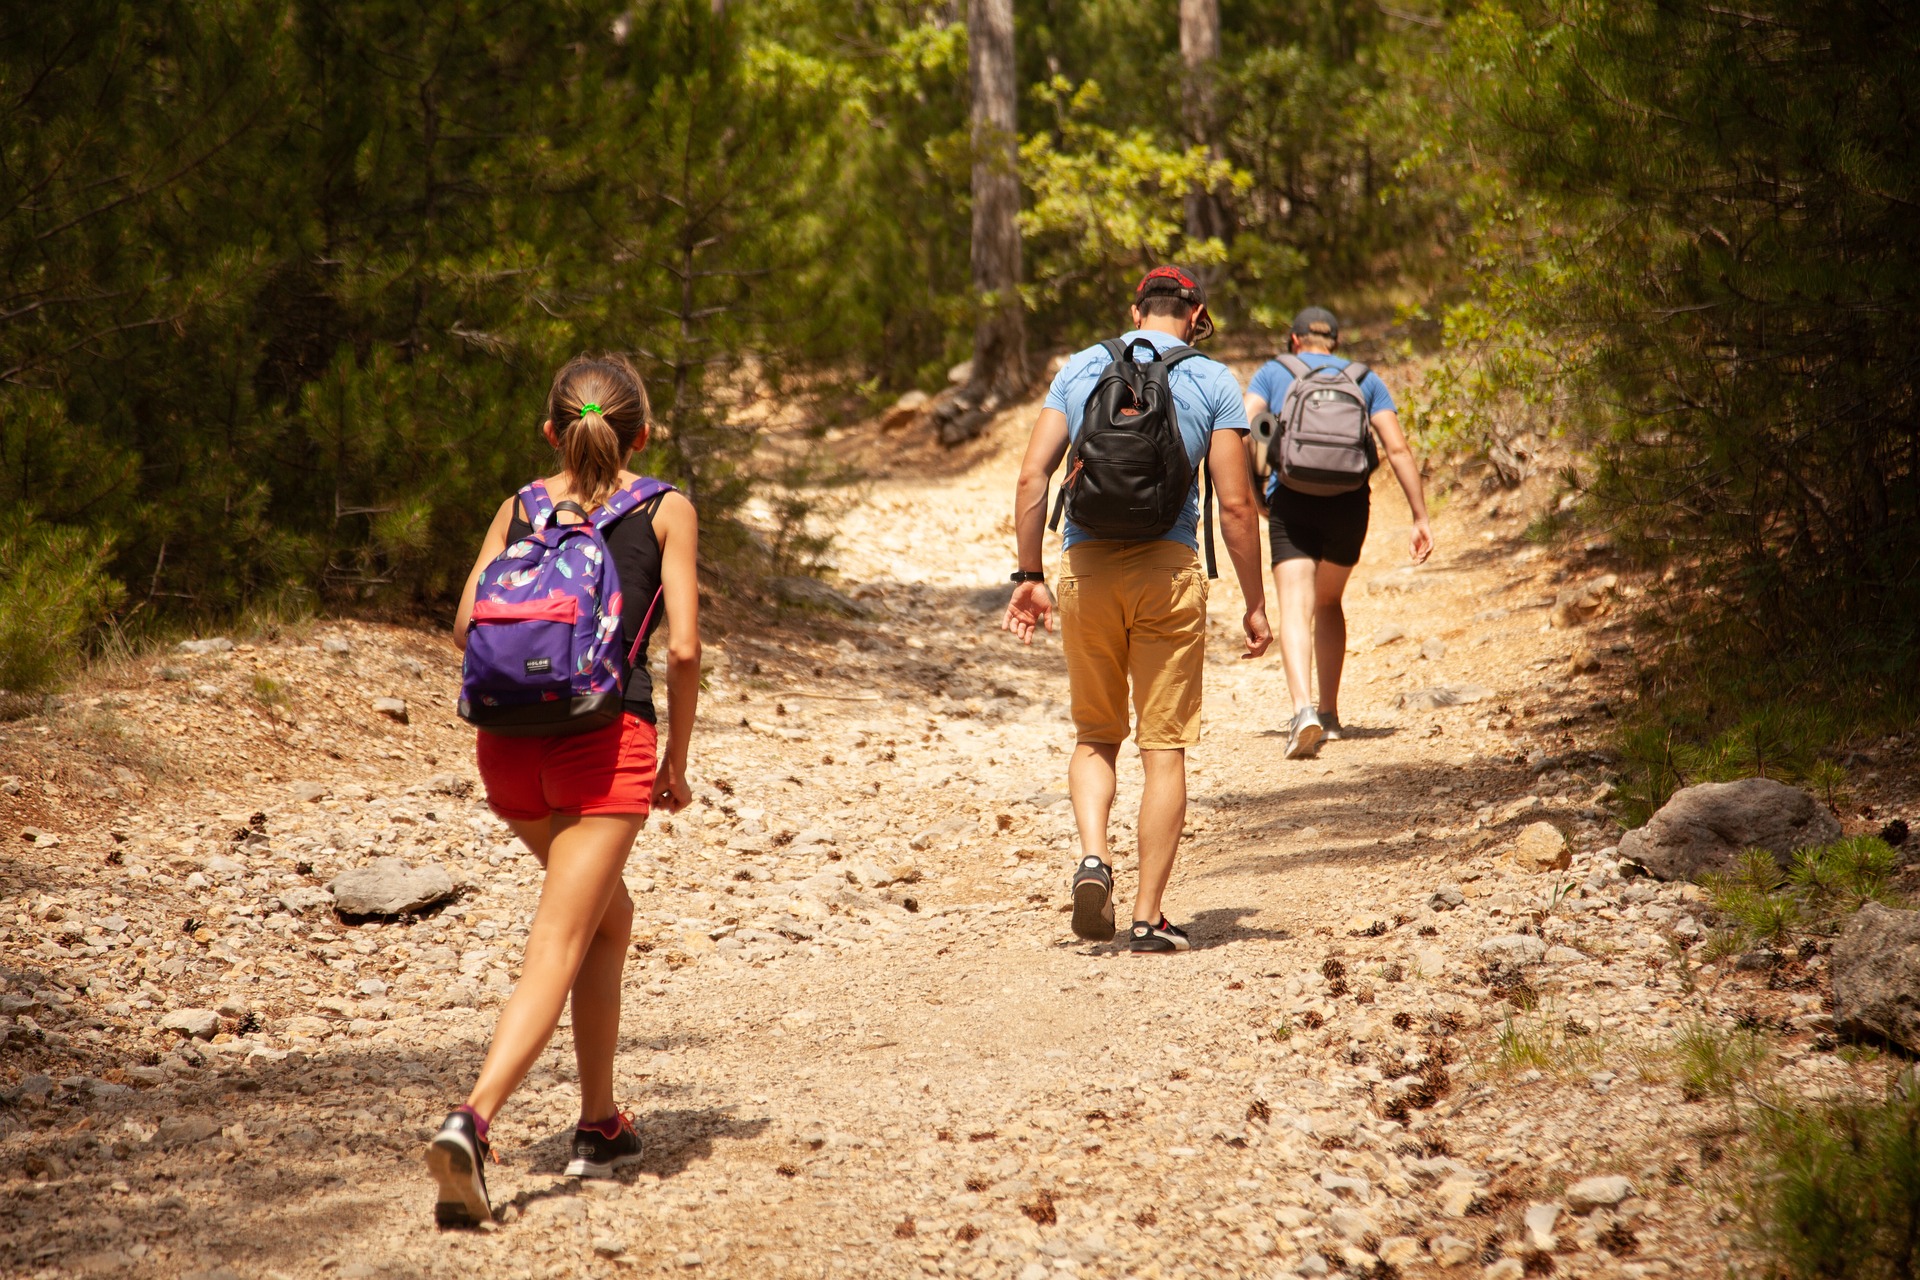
(638, 494)
(640, 636)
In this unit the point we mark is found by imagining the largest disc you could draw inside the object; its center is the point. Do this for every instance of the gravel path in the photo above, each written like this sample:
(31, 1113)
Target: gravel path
(859, 1038)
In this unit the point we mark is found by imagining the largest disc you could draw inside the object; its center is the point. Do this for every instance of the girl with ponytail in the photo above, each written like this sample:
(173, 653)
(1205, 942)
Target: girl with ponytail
(578, 802)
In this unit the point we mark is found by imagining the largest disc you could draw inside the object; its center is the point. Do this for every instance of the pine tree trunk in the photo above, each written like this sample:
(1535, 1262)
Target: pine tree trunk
(999, 374)
(1200, 56)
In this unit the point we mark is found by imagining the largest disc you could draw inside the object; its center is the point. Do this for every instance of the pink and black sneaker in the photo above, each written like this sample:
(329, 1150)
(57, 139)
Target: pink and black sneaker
(1150, 938)
(457, 1158)
(603, 1146)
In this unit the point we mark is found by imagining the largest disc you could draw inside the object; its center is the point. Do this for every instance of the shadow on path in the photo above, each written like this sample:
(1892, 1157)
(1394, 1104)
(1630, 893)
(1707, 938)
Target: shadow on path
(674, 1141)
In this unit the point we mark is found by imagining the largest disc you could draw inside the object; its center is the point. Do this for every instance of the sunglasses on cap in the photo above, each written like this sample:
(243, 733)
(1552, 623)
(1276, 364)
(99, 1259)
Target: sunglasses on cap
(1172, 282)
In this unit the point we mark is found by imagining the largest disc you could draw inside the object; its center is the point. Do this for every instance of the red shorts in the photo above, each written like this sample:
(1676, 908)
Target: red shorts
(609, 770)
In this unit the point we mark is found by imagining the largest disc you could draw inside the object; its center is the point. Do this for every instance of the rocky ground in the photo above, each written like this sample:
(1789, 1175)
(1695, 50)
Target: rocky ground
(859, 1038)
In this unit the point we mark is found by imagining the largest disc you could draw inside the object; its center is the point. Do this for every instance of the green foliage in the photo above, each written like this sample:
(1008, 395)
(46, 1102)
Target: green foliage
(1835, 1191)
(1694, 221)
(1106, 205)
(1814, 894)
(1317, 111)
(284, 287)
(53, 588)
(1848, 874)
(283, 284)
(1648, 777)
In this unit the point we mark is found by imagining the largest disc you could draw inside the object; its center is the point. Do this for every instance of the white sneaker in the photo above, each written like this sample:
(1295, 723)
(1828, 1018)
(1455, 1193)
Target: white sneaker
(1304, 739)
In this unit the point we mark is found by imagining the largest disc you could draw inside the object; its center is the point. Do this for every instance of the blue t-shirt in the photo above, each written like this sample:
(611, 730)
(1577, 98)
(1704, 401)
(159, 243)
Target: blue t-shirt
(1204, 391)
(1272, 381)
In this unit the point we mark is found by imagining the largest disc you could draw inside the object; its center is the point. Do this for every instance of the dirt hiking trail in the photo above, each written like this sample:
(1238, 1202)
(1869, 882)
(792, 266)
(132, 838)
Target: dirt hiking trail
(859, 1038)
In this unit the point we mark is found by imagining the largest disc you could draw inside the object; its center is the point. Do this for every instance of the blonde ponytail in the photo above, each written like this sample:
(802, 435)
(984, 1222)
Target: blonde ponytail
(600, 415)
(593, 456)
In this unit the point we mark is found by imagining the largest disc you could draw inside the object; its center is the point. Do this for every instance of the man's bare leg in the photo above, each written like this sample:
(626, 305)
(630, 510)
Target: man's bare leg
(1163, 811)
(1091, 782)
(1329, 630)
(1293, 583)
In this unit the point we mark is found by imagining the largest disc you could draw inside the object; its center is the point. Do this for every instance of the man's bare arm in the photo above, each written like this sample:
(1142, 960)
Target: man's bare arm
(1032, 604)
(1407, 471)
(1240, 526)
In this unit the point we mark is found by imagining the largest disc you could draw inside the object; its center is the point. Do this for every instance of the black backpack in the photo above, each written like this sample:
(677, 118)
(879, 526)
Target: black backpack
(1128, 474)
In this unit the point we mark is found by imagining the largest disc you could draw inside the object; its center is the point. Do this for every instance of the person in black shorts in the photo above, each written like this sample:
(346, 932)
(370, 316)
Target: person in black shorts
(1317, 540)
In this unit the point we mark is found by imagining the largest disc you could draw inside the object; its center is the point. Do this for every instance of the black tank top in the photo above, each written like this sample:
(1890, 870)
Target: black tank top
(636, 558)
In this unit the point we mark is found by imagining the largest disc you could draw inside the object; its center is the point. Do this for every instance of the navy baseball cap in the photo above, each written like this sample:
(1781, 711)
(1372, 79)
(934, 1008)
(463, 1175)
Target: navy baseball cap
(1317, 322)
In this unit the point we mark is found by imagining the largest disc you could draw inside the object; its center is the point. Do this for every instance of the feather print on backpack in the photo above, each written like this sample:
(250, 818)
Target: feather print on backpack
(543, 654)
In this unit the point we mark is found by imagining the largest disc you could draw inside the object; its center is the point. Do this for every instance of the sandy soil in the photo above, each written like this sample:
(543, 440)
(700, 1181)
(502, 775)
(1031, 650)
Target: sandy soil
(859, 1038)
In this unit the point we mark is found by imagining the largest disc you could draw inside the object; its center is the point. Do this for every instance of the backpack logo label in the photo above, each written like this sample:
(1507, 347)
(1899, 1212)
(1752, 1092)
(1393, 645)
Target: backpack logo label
(539, 666)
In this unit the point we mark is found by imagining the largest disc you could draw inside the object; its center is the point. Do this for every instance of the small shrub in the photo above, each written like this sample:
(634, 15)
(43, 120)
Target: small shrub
(1823, 886)
(1520, 1047)
(1711, 1060)
(53, 589)
(1848, 873)
(101, 733)
(1648, 777)
(1837, 1188)
(272, 694)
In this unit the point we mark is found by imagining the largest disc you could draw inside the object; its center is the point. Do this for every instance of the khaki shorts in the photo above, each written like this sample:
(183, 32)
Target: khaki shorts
(1134, 611)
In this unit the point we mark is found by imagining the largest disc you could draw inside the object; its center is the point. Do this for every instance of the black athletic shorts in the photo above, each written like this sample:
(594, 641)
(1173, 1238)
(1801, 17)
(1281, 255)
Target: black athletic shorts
(1305, 526)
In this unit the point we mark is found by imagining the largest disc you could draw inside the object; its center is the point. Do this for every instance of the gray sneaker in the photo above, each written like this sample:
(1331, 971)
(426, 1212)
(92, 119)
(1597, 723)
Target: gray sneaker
(1303, 740)
(1330, 725)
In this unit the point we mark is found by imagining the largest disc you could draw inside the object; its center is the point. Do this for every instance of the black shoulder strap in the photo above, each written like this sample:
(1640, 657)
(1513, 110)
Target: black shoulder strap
(1180, 355)
(1116, 353)
(1206, 517)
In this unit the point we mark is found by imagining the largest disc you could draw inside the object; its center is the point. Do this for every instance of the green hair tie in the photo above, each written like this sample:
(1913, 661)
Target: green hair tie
(586, 409)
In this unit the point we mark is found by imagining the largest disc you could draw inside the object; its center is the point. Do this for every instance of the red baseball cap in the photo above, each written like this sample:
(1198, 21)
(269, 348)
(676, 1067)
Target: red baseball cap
(1173, 281)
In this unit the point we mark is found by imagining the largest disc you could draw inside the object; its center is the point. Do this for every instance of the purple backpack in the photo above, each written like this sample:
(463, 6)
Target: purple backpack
(543, 650)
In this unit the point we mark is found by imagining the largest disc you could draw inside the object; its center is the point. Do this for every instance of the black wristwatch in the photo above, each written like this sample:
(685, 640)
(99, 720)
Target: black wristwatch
(1028, 575)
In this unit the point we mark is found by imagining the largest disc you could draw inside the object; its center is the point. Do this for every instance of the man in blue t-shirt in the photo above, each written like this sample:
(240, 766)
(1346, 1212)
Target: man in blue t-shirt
(1135, 612)
(1317, 539)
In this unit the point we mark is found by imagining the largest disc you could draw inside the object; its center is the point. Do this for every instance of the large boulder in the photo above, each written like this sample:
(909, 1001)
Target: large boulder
(1708, 826)
(389, 887)
(1876, 976)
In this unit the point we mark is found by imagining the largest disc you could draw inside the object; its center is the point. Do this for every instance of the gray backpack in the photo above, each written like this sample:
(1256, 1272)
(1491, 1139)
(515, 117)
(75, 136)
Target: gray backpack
(1322, 440)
